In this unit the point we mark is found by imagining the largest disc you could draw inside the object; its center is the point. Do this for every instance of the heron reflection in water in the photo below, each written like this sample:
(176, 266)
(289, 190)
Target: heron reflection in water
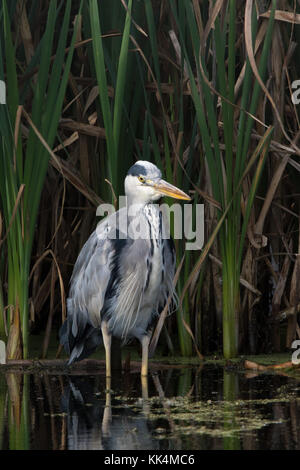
(120, 284)
(94, 423)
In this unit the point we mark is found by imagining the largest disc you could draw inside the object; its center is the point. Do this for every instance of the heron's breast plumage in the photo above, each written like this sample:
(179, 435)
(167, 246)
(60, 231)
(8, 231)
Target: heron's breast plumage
(139, 268)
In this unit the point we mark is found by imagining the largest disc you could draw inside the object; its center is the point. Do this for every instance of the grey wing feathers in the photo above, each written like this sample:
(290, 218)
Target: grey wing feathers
(89, 281)
(83, 346)
(80, 334)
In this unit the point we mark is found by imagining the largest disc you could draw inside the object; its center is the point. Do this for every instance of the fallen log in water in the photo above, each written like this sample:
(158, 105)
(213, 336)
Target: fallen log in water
(255, 366)
(86, 366)
(53, 364)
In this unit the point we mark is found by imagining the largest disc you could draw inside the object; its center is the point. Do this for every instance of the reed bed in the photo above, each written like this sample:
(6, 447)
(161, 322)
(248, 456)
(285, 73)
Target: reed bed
(202, 89)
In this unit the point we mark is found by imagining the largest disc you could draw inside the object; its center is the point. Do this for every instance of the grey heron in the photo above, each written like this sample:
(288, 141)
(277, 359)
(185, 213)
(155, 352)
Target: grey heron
(120, 282)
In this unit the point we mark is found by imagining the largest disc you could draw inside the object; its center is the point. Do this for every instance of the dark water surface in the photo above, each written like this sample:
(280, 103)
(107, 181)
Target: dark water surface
(178, 409)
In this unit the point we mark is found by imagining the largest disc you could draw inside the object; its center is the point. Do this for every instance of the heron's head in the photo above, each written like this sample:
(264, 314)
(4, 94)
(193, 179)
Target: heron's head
(144, 184)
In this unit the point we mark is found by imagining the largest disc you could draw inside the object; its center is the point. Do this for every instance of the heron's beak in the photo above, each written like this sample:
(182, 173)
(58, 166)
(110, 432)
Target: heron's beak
(168, 189)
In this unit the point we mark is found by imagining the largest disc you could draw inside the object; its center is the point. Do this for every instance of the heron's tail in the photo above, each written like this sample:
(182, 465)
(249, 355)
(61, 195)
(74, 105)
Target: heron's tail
(83, 344)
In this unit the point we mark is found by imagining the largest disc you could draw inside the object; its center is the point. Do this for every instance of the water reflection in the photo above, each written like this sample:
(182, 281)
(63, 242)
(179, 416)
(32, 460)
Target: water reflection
(91, 423)
(230, 393)
(14, 422)
(188, 409)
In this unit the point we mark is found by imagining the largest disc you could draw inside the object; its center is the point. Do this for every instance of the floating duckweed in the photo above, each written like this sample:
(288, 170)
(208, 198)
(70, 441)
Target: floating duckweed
(214, 418)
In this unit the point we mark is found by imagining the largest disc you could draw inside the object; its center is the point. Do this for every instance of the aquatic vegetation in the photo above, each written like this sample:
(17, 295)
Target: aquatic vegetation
(205, 90)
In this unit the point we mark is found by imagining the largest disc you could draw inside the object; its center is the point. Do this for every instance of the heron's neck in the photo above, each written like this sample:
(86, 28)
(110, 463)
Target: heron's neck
(148, 214)
(133, 201)
(134, 206)
(154, 220)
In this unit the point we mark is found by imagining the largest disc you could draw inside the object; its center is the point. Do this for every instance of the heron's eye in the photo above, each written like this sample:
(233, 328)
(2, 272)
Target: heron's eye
(141, 179)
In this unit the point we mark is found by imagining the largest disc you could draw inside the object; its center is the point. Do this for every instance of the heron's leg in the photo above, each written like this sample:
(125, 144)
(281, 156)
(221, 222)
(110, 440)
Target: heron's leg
(145, 350)
(145, 394)
(107, 345)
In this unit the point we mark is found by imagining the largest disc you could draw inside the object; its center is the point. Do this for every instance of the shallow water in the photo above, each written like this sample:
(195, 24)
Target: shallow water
(180, 409)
